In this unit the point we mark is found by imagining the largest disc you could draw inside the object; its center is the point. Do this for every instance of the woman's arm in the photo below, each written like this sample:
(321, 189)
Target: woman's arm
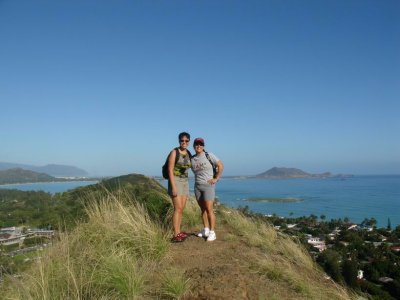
(220, 167)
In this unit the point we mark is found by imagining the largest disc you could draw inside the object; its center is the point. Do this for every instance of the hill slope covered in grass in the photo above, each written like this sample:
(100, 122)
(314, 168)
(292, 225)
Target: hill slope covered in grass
(51, 169)
(18, 175)
(134, 187)
(122, 250)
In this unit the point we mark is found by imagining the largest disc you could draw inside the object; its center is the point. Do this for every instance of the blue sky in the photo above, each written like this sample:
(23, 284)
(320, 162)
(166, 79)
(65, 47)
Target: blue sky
(108, 85)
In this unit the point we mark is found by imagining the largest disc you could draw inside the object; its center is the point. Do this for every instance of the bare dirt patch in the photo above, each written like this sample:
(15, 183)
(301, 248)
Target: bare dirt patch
(222, 269)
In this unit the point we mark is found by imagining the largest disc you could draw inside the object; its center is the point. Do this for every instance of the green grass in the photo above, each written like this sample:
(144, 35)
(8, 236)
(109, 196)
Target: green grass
(283, 260)
(191, 214)
(175, 285)
(114, 255)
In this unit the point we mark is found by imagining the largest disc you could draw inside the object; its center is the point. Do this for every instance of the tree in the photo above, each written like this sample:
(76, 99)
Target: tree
(394, 288)
(349, 271)
(389, 225)
(369, 222)
(329, 260)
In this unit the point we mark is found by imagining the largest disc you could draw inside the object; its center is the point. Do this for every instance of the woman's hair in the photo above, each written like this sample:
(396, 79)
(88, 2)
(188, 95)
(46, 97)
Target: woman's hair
(182, 134)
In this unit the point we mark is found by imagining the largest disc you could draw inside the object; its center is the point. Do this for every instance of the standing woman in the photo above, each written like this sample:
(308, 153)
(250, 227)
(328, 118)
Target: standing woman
(178, 183)
(203, 164)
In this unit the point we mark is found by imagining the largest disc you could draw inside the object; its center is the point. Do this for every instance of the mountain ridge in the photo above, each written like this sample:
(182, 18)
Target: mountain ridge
(50, 169)
(18, 175)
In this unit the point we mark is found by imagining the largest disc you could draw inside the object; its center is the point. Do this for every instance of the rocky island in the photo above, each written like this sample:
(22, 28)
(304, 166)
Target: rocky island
(291, 173)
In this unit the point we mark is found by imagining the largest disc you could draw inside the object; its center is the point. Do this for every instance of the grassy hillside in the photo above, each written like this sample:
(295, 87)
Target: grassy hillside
(134, 187)
(122, 250)
(44, 210)
(18, 175)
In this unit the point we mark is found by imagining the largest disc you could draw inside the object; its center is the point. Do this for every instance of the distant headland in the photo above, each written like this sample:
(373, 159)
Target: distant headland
(291, 173)
(50, 169)
(12, 173)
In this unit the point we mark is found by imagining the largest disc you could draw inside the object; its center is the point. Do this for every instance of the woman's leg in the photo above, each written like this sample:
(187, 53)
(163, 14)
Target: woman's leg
(179, 204)
(204, 215)
(209, 211)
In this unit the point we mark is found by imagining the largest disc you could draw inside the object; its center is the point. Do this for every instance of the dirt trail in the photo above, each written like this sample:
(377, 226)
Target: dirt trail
(221, 269)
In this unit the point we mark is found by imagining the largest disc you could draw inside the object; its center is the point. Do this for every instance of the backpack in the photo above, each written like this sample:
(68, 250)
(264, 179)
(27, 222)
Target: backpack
(164, 168)
(215, 168)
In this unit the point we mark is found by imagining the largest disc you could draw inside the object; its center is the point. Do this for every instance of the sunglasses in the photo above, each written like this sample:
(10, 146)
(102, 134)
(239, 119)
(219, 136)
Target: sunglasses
(184, 141)
(198, 145)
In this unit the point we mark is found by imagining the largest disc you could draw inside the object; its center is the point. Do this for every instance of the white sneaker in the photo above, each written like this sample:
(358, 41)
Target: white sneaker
(204, 233)
(212, 236)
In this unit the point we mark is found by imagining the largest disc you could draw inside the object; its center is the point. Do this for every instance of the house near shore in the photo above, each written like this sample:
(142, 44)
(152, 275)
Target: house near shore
(385, 279)
(360, 274)
(353, 226)
(40, 232)
(11, 235)
(395, 248)
(14, 235)
(317, 243)
(13, 231)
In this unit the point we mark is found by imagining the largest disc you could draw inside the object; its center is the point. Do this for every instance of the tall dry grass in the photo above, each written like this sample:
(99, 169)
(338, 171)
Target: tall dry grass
(191, 214)
(118, 253)
(283, 259)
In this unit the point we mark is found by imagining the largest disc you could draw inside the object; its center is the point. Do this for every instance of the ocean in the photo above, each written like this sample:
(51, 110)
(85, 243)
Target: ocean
(355, 197)
(49, 187)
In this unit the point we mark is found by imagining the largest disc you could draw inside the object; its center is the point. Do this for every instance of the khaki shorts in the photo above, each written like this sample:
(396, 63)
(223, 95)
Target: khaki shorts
(182, 186)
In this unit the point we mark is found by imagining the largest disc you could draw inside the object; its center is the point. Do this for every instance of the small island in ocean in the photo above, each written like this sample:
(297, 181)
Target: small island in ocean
(289, 173)
(269, 200)
(292, 173)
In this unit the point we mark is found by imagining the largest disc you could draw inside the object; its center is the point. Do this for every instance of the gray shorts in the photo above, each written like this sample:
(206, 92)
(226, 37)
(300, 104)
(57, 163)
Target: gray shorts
(182, 186)
(204, 192)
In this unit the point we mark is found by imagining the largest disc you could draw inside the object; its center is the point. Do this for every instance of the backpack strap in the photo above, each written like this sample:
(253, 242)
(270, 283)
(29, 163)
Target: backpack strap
(209, 159)
(214, 167)
(177, 155)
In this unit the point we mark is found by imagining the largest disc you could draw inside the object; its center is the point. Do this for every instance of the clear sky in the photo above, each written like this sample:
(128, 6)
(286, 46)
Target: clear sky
(107, 85)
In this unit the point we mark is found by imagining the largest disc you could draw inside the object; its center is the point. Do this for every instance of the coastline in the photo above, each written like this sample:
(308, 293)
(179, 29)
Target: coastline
(351, 198)
(47, 182)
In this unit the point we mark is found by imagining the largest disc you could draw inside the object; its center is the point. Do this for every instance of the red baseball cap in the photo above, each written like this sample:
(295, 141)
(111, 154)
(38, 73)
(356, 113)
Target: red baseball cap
(198, 141)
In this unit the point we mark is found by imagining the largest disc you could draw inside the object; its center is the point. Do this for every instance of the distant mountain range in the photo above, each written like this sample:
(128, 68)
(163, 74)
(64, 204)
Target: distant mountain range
(287, 173)
(51, 169)
(18, 175)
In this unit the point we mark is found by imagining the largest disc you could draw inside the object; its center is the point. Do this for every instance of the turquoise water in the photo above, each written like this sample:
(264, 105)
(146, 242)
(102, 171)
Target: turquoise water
(355, 197)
